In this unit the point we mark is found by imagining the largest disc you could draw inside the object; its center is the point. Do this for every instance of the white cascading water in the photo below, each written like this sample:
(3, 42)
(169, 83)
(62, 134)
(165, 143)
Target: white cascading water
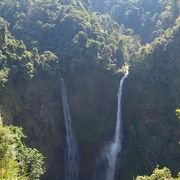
(111, 152)
(114, 149)
(71, 151)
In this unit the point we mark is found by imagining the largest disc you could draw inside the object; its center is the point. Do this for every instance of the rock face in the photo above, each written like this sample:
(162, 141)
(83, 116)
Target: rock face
(37, 106)
(151, 130)
(151, 97)
(150, 126)
(92, 100)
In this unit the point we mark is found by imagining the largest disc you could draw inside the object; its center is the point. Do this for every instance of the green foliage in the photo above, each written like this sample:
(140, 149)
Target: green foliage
(47, 60)
(70, 38)
(4, 76)
(17, 63)
(154, 130)
(16, 160)
(147, 18)
(158, 174)
(3, 32)
(76, 35)
(178, 113)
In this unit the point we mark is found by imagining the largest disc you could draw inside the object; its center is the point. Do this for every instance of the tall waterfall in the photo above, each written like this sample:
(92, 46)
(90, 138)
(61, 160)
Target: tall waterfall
(71, 151)
(108, 161)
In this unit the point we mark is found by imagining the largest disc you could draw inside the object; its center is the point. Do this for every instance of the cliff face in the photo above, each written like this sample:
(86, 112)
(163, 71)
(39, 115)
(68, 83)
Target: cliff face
(93, 99)
(30, 92)
(151, 97)
(151, 130)
(36, 105)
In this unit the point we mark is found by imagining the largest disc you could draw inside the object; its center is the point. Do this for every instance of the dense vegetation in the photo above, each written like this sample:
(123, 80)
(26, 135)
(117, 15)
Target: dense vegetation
(163, 174)
(88, 42)
(18, 162)
(149, 19)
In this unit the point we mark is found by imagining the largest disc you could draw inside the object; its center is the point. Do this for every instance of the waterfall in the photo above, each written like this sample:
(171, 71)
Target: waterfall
(107, 163)
(71, 151)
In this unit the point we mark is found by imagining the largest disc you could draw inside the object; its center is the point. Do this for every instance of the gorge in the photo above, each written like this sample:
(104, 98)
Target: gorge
(72, 122)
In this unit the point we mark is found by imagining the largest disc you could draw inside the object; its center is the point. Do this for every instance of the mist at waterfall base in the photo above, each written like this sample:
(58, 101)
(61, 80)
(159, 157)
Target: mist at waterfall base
(106, 165)
(71, 151)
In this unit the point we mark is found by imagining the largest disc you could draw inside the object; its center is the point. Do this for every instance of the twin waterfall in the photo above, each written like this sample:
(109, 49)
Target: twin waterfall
(71, 152)
(107, 163)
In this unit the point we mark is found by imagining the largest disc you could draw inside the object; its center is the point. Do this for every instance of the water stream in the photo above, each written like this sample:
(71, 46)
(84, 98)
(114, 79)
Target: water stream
(71, 151)
(108, 160)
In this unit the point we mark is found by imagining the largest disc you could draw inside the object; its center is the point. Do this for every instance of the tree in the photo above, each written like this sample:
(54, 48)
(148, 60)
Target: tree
(159, 174)
(178, 113)
(18, 162)
(3, 32)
